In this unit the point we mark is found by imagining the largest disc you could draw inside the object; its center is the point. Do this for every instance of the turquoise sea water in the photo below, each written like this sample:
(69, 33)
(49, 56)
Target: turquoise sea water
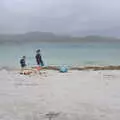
(70, 54)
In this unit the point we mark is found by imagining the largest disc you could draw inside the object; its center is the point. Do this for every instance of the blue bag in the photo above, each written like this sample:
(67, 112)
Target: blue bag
(63, 69)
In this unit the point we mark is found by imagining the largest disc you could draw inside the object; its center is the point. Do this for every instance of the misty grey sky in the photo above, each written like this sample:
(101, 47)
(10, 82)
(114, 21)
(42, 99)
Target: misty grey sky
(60, 16)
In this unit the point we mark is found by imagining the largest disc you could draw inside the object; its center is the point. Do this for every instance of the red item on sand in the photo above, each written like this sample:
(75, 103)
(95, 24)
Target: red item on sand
(38, 68)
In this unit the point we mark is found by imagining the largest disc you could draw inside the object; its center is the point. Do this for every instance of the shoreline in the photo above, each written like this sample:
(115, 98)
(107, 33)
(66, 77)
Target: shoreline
(57, 68)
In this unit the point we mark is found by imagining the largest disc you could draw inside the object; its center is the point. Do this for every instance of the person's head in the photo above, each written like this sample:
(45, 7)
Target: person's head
(24, 57)
(38, 51)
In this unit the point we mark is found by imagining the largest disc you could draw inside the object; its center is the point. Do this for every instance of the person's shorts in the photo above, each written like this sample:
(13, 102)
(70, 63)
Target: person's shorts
(22, 66)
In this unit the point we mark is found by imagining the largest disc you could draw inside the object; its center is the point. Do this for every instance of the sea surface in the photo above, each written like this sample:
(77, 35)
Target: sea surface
(60, 54)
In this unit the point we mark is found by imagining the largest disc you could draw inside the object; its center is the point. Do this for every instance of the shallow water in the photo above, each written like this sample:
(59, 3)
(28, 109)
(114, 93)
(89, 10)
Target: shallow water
(70, 54)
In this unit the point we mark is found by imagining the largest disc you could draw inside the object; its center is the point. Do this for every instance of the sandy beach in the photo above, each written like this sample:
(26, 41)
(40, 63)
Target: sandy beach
(76, 95)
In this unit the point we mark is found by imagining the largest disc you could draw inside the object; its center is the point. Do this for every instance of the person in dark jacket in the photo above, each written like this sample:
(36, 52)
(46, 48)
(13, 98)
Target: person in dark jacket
(39, 58)
(23, 62)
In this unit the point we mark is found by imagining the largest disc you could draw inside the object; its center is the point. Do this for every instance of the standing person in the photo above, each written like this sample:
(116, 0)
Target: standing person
(39, 58)
(23, 64)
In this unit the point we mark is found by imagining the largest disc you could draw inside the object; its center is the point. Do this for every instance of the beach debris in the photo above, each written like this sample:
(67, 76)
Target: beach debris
(33, 70)
(108, 77)
(51, 115)
(96, 68)
(50, 68)
(26, 72)
(82, 68)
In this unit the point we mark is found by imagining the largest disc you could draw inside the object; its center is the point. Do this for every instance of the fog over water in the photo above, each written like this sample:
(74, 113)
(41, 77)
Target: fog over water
(73, 17)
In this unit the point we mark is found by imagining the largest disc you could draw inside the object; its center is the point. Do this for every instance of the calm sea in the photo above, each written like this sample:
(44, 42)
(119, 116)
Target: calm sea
(69, 54)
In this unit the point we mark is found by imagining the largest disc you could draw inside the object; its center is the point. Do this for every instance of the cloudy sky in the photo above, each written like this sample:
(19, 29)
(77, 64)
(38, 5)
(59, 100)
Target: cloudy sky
(75, 17)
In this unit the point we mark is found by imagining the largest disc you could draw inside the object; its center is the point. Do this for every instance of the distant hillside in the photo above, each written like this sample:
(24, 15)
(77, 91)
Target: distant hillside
(50, 37)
